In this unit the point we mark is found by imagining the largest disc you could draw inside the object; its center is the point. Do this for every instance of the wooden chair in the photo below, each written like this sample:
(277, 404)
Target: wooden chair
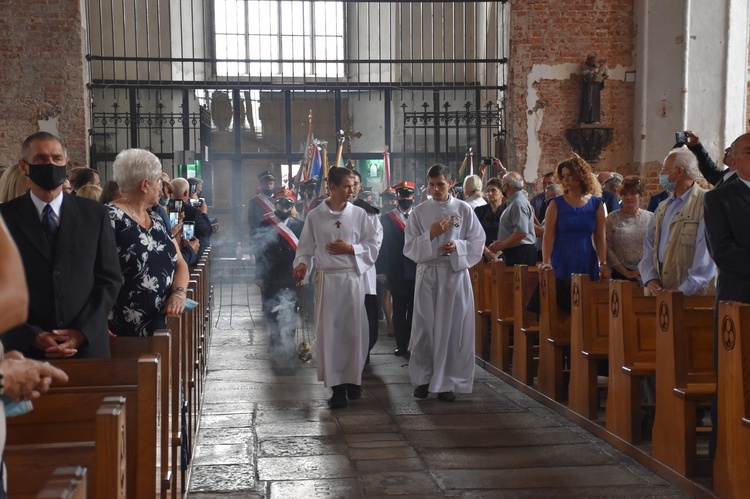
(554, 338)
(69, 429)
(501, 304)
(632, 355)
(732, 460)
(685, 375)
(589, 343)
(525, 324)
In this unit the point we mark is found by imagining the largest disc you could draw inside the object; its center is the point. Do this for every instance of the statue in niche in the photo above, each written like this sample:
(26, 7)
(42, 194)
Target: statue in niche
(593, 83)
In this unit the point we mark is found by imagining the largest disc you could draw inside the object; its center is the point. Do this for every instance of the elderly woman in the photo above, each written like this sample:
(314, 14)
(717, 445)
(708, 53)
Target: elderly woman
(473, 191)
(571, 221)
(626, 230)
(154, 274)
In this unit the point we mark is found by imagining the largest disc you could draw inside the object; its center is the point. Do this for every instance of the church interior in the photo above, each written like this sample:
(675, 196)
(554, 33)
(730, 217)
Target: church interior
(225, 90)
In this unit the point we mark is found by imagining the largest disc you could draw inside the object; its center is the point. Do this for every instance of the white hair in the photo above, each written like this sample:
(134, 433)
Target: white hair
(179, 187)
(686, 159)
(512, 181)
(133, 165)
(472, 185)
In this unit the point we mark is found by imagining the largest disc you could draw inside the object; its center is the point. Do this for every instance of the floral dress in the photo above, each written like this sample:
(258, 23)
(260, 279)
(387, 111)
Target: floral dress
(147, 260)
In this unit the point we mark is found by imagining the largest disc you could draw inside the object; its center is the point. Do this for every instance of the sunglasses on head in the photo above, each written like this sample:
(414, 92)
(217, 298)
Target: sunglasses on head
(284, 203)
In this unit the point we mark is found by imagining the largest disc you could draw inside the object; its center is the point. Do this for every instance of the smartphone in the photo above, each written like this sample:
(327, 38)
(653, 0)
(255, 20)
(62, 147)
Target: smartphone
(188, 230)
(201, 201)
(194, 202)
(174, 218)
(681, 137)
(488, 161)
(193, 188)
(178, 205)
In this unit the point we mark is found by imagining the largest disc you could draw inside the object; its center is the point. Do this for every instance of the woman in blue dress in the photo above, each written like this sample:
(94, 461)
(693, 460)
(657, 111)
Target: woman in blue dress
(154, 275)
(575, 227)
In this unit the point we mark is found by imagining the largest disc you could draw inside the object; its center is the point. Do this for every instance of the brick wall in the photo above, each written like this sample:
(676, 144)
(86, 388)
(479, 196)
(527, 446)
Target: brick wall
(559, 34)
(42, 62)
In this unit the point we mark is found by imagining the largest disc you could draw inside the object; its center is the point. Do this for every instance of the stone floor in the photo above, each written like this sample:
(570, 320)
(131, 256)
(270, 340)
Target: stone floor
(266, 432)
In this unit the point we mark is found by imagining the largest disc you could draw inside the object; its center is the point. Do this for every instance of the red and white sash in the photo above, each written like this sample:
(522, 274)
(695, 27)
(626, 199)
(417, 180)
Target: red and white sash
(264, 203)
(397, 219)
(282, 229)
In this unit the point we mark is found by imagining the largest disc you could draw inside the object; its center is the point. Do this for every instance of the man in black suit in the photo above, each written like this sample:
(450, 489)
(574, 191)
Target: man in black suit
(726, 212)
(69, 256)
(400, 271)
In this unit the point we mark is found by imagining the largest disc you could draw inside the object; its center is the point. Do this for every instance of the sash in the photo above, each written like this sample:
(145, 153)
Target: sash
(282, 229)
(308, 207)
(264, 203)
(397, 220)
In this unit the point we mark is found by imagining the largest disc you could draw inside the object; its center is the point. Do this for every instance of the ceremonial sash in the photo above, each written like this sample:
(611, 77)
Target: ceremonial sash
(397, 220)
(264, 203)
(282, 229)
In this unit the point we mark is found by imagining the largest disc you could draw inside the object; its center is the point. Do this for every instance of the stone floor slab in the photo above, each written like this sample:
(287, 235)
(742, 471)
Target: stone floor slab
(328, 489)
(518, 457)
(385, 465)
(300, 468)
(222, 478)
(480, 438)
(400, 483)
(222, 454)
(301, 446)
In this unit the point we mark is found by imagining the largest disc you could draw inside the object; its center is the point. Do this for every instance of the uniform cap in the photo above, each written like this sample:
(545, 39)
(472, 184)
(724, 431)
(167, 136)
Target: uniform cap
(262, 176)
(284, 193)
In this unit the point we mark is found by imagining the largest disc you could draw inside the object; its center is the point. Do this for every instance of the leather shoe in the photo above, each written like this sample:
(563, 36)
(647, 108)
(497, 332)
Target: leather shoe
(447, 396)
(402, 352)
(421, 392)
(338, 400)
(353, 392)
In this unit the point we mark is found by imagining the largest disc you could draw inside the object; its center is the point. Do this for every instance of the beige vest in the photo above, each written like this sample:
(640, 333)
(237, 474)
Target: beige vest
(678, 256)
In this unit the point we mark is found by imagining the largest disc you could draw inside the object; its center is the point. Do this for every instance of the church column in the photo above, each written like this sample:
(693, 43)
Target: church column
(691, 59)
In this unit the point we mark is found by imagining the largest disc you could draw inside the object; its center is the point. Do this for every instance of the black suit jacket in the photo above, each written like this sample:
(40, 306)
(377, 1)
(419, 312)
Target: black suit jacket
(398, 268)
(726, 213)
(71, 286)
(203, 229)
(274, 261)
(610, 199)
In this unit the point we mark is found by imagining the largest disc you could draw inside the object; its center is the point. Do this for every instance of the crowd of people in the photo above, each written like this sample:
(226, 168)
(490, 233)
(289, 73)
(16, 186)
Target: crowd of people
(105, 261)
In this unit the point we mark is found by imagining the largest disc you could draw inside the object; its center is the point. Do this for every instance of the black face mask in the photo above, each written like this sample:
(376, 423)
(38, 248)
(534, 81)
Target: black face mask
(283, 215)
(47, 176)
(405, 204)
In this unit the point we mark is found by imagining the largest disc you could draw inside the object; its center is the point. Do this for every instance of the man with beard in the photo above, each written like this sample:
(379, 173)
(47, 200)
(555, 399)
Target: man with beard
(276, 239)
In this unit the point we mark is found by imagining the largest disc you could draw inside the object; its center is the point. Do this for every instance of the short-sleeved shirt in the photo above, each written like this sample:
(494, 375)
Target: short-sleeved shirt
(147, 260)
(517, 218)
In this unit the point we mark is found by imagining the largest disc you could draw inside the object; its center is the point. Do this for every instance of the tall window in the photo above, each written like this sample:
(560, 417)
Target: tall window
(262, 38)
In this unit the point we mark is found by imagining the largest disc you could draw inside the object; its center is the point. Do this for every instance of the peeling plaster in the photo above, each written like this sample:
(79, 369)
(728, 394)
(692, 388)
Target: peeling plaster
(534, 121)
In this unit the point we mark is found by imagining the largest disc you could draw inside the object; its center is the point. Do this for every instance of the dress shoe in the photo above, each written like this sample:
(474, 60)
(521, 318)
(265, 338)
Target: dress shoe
(421, 392)
(353, 392)
(447, 396)
(338, 400)
(402, 352)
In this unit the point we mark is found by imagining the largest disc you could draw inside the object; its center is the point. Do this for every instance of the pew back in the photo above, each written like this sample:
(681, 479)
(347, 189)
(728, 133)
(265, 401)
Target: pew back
(501, 305)
(526, 324)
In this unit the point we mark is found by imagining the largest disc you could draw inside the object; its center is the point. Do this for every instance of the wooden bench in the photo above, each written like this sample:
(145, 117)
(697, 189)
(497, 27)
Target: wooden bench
(501, 305)
(481, 283)
(67, 482)
(160, 344)
(80, 429)
(732, 460)
(138, 381)
(685, 375)
(589, 342)
(632, 356)
(525, 324)
(554, 338)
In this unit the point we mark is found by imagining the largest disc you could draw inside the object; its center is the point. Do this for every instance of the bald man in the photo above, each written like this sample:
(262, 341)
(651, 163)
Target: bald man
(516, 237)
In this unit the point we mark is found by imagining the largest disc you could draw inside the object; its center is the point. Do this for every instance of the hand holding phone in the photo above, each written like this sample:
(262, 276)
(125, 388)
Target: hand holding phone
(174, 217)
(188, 230)
(681, 137)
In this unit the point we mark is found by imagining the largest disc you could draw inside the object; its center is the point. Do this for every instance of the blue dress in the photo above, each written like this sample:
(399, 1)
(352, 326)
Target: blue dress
(573, 251)
(147, 259)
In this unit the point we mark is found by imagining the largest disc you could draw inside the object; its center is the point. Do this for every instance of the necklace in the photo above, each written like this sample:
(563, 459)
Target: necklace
(132, 211)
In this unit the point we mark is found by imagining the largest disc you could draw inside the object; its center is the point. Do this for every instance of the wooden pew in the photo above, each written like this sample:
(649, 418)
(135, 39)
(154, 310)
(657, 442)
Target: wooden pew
(160, 344)
(732, 460)
(192, 328)
(589, 342)
(182, 439)
(138, 381)
(632, 355)
(554, 338)
(685, 375)
(525, 324)
(501, 312)
(65, 483)
(481, 283)
(81, 429)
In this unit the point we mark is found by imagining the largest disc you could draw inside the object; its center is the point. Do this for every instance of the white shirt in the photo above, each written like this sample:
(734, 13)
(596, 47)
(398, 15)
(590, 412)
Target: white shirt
(56, 204)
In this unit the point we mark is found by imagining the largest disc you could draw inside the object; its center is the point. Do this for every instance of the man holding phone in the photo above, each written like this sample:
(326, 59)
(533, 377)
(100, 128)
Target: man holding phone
(201, 226)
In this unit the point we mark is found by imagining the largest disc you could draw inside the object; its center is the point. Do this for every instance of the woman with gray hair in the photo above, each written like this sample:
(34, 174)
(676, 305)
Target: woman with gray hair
(473, 191)
(154, 274)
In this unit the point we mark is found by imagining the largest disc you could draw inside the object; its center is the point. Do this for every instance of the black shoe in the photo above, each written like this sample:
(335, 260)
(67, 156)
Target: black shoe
(421, 392)
(353, 392)
(447, 396)
(338, 401)
(401, 352)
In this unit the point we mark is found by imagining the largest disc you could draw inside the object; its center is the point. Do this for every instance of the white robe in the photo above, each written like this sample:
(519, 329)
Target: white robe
(442, 333)
(341, 326)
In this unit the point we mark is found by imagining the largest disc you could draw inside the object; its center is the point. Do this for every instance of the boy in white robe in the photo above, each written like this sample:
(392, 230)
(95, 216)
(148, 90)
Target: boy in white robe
(445, 238)
(343, 241)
